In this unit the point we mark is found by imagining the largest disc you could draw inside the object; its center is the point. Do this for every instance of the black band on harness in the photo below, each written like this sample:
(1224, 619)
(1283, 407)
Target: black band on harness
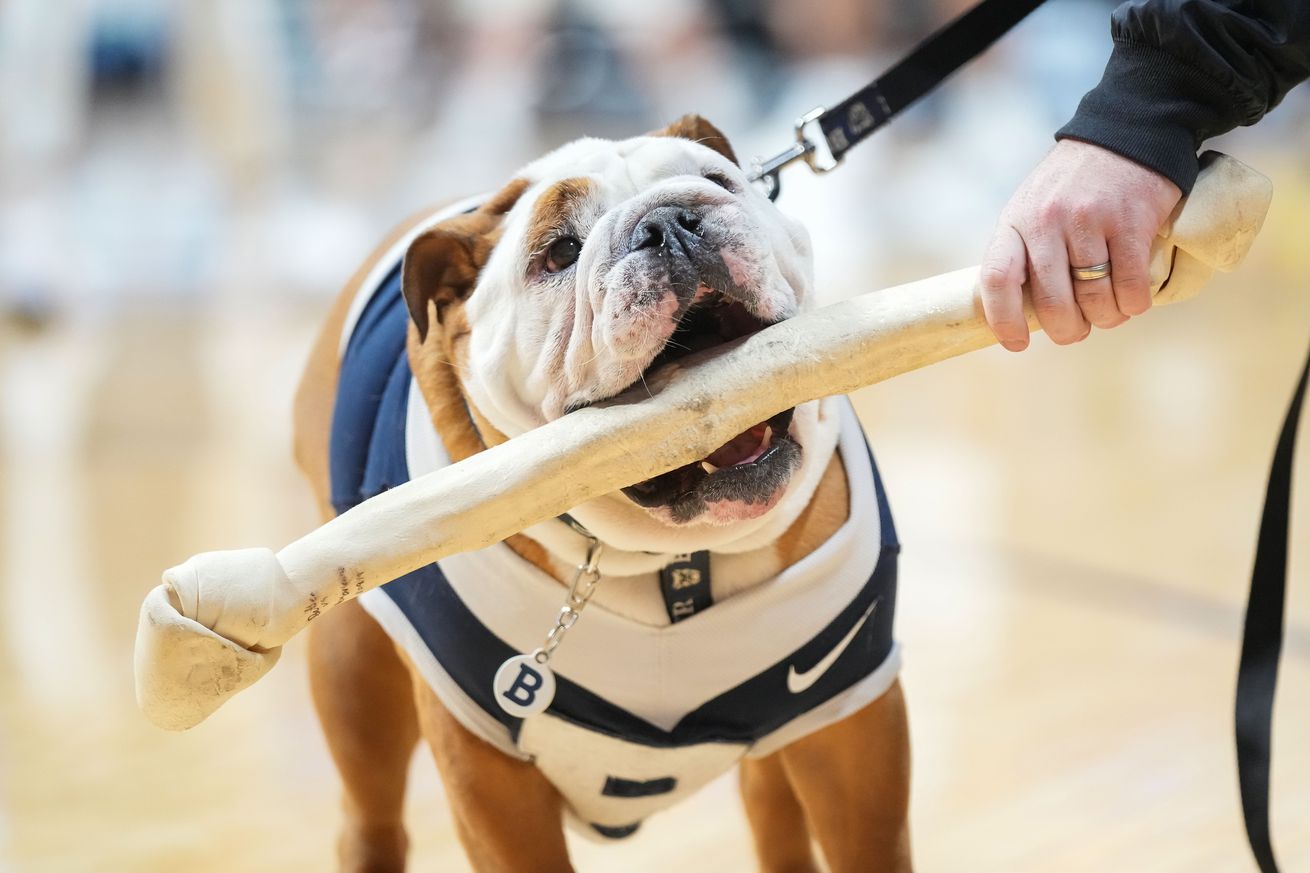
(1262, 640)
(685, 584)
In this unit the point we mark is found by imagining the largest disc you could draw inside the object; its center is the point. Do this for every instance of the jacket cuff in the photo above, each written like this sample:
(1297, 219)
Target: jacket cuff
(1153, 109)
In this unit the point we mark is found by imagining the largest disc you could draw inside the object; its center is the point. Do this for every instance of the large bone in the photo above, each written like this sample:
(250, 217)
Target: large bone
(217, 622)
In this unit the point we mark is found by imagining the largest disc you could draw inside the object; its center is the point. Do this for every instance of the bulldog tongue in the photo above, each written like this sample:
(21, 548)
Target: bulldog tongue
(745, 446)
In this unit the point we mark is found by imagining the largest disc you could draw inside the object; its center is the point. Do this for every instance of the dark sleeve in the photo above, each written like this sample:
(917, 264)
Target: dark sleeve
(1183, 71)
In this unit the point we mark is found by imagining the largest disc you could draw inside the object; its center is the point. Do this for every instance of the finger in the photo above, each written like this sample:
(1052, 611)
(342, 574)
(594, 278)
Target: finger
(1130, 254)
(1051, 288)
(1095, 297)
(1001, 281)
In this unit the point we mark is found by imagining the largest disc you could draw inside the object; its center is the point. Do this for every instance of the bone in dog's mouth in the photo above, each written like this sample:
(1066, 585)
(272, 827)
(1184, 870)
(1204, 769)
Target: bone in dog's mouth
(749, 470)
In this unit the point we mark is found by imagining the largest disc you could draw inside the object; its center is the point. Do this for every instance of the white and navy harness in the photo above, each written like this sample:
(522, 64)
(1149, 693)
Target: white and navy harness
(642, 715)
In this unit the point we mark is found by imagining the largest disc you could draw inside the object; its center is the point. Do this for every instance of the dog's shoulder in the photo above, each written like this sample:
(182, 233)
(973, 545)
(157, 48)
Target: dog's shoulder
(826, 512)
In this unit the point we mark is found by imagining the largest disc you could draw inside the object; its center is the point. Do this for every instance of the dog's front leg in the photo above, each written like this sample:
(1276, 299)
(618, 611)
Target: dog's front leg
(782, 840)
(509, 817)
(853, 782)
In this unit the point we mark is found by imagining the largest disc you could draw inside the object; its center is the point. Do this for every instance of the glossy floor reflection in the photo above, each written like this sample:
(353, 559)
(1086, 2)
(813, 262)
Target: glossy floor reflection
(1078, 526)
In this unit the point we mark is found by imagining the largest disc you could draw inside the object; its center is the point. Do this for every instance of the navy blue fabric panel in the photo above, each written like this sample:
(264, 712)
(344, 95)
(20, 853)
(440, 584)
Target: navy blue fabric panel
(764, 703)
(465, 648)
(387, 465)
(884, 507)
(617, 786)
(616, 833)
(367, 368)
(888, 527)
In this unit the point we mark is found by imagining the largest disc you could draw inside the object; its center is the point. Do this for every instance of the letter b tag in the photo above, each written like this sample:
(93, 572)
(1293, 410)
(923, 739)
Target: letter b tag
(524, 687)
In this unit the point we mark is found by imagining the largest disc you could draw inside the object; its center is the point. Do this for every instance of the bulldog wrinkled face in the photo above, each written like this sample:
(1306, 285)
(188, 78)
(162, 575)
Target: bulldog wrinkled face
(618, 259)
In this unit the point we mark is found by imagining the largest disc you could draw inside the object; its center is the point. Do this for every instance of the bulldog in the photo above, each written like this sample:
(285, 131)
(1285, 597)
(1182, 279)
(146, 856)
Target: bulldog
(597, 668)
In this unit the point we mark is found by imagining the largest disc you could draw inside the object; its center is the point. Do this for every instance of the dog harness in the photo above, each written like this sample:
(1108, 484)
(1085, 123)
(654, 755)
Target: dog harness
(642, 715)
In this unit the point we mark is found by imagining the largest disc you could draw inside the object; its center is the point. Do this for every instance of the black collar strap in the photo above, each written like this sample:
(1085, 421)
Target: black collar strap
(923, 69)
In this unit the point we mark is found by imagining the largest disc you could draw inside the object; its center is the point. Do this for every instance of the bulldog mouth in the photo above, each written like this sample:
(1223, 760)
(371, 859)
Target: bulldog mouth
(750, 470)
(711, 319)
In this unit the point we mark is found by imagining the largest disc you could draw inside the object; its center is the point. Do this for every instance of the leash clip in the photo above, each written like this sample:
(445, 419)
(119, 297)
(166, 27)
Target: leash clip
(766, 171)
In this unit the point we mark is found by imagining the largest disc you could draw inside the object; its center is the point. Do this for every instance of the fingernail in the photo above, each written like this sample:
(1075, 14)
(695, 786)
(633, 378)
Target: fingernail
(1015, 345)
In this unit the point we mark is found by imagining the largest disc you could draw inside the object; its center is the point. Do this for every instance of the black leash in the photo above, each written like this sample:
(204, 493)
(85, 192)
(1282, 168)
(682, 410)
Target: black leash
(930, 63)
(1262, 640)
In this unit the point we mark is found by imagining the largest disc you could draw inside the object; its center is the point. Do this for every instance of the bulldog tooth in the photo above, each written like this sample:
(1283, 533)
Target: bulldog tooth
(708, 467)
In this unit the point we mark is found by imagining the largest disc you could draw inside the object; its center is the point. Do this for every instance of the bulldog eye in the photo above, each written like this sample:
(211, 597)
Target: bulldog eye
(562, 254)
(721, 180)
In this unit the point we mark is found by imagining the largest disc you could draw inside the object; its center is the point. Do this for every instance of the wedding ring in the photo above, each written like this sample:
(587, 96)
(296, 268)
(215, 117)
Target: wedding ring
(1087, 274)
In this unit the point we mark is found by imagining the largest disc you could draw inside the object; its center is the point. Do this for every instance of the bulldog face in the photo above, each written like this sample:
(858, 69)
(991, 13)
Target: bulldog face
(602, 265)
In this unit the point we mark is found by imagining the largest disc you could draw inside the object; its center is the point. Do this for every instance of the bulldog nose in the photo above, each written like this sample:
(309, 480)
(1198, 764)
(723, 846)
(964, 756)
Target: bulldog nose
(666, 225)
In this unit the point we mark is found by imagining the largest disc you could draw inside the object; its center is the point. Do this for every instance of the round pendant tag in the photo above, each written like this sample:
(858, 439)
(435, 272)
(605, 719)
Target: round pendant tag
(523, 687)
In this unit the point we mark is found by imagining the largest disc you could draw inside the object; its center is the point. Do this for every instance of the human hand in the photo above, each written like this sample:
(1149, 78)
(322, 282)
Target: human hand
(1081, 206)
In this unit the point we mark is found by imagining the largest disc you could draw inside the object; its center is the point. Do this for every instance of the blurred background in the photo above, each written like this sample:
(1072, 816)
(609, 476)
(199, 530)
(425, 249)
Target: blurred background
(184, 186)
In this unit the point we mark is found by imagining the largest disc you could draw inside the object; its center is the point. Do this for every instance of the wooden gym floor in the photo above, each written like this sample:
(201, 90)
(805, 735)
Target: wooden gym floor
(1078, 526)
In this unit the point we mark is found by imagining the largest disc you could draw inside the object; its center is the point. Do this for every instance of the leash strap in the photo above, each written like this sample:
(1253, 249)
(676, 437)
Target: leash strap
(1262, 640)
(930, 63)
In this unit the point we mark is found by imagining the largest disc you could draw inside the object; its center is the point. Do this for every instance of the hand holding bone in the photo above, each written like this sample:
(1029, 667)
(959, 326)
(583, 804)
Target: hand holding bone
(216, 623)
(1081, 206)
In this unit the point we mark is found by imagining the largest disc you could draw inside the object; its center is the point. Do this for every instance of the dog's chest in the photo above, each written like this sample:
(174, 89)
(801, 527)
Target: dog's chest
(626, 667)
(645, 709)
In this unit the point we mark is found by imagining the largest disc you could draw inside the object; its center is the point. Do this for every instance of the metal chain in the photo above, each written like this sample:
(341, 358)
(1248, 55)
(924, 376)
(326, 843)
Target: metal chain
(585, 579)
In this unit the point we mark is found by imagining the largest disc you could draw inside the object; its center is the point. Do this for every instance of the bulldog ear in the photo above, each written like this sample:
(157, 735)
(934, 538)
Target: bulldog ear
(697, 129)
(442, 264)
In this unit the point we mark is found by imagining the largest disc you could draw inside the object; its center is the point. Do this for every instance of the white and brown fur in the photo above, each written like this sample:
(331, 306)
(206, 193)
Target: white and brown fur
(844, 788)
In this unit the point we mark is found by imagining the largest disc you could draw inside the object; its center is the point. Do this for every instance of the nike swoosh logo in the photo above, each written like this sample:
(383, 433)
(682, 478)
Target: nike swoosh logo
(798, 682)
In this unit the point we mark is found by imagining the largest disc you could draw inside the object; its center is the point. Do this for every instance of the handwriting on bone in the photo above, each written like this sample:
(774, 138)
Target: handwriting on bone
(346, 581)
